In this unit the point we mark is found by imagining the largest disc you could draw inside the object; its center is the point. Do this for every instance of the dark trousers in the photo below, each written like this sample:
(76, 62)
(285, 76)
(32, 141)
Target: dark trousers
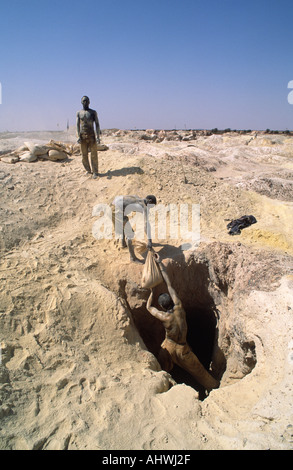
(88, 144)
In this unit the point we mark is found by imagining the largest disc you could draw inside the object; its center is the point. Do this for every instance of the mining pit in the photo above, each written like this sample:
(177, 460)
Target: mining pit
(79, 368)
(224, 350)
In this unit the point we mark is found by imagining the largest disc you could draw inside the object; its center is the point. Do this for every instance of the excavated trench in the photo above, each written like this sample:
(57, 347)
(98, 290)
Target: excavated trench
(214, 333)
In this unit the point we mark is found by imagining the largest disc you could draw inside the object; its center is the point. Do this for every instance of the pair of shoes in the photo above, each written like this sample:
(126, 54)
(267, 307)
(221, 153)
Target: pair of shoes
(95, 175)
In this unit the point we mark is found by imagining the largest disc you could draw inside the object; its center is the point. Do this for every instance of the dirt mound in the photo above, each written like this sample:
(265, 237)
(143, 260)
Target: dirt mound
(78, 348)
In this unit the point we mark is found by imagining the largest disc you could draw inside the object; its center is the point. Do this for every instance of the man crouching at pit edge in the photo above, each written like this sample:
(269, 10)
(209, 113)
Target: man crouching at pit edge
(121, 207)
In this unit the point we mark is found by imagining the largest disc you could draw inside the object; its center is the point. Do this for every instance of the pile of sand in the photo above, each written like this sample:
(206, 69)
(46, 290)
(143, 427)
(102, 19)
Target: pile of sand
(78, 367)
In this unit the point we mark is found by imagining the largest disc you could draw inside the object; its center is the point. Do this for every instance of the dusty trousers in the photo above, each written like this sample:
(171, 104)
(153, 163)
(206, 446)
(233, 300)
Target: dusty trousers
(182, 355)
(88, 144)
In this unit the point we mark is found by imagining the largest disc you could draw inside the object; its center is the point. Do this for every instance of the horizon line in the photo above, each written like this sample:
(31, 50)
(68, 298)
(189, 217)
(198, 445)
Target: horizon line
(213, 130)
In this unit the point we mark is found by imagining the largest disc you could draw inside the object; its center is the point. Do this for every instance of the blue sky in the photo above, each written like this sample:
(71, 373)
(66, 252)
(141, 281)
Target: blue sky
(147, 64)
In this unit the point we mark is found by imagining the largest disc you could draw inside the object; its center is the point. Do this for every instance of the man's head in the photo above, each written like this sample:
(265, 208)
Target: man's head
(150, 199)
(85, 101)
(165, 301)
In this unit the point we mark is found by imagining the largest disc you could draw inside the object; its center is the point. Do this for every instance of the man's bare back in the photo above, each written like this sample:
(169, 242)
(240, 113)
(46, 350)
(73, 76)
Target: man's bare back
(175, 348)
(175, 324)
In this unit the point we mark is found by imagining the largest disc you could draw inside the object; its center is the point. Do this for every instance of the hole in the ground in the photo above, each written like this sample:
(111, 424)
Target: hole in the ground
(201, 336)
(216, 348)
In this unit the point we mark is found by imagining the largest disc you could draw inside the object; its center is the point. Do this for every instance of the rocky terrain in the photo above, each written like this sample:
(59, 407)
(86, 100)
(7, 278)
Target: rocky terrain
(78, 366)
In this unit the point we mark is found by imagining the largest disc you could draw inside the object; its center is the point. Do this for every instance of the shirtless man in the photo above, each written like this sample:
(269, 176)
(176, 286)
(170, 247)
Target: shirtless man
(122, 206)
(174, 349)
(87, 139)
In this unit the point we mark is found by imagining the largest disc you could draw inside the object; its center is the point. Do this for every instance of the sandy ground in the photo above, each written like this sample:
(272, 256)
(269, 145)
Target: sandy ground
(75, 372)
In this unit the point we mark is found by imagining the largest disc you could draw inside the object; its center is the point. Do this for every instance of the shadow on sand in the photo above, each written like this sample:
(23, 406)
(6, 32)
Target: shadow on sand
(132, 170)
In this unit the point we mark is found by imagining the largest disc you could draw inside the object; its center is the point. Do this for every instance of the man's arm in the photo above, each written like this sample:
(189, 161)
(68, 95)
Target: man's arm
(147, 227)
(153, 310)
(172, 292)
(98, 130)
(78, 126)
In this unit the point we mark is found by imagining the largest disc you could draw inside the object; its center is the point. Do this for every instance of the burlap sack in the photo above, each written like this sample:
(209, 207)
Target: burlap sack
(9, 159)
(102, 147)
(36, 149)
(55, 155)
(27, 157)
(21, 149)
(139, 246)
(151, 275)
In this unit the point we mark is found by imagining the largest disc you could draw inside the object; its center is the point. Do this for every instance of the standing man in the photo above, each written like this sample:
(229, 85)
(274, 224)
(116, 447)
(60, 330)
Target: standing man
(87, 138)
(175, 349)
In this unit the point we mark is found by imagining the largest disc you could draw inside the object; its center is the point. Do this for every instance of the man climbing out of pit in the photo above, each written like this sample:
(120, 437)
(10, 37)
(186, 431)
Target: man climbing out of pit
(175, 349)
(122, 206)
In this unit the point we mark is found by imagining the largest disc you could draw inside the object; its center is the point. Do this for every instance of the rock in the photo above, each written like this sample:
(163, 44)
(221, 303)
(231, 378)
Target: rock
(146, 137)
